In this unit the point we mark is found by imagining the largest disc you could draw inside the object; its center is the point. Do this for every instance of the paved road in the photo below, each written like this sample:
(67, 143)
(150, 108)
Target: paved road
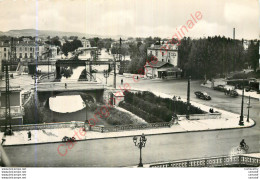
(122, 152)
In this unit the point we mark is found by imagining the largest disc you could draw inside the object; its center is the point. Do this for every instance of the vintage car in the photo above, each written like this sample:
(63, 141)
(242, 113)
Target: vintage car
(232, 93)
(219, 88)
(202, 95)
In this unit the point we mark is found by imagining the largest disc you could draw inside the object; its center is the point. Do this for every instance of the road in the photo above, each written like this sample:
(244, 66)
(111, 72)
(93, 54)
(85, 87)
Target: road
(122, 152)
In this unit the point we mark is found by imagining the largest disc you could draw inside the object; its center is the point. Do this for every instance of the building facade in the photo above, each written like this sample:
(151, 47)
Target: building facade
(29, 50)
(16, 109)
(164, 52)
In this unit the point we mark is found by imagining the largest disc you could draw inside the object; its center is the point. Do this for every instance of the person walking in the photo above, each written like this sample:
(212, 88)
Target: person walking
(29, 135)
(122, 81)
(65, 85)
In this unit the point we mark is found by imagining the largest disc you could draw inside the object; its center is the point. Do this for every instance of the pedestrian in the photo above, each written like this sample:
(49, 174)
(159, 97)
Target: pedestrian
(66, 85)
(3, 140)
(29, 135)
(122, 81)
(137, 77)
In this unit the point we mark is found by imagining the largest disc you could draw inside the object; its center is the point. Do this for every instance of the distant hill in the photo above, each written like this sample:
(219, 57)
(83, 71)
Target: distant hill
(45, 33)
(34, 32)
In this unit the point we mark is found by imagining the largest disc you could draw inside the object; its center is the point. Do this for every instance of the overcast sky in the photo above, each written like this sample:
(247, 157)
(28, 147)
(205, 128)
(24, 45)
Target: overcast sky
(133, 17)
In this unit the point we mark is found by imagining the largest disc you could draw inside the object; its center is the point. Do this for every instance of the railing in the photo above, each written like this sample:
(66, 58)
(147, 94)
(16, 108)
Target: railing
(212, 162)
(97, 128)
(46, 126)
(202, 116)
(131, 127)
(61, 86)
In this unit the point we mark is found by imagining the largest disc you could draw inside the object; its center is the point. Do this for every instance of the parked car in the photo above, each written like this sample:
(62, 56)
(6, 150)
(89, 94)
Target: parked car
(219, 88)
(232, 93)
(68, 139)
(202, 95)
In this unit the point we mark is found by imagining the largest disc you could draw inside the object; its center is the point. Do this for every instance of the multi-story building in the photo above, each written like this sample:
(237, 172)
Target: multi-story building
(29, 50)
(4, 53)
(164, 52)
(167, 65)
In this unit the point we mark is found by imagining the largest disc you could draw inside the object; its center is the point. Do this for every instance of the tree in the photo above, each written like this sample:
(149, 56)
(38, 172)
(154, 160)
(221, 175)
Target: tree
(71, 46)
(253, 54)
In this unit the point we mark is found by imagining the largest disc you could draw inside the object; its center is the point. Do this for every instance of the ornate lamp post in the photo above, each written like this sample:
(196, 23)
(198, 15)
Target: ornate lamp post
(140, 145)
(106, 74)
(241, 121)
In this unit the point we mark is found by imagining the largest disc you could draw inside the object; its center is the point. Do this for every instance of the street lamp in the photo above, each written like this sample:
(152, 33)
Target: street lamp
(241, 121)
(140, 145)
(106, 74)
(248, 107)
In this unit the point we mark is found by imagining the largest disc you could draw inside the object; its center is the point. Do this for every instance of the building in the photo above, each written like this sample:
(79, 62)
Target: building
(15, 106)
(4, 52)
(163, 70)
(87, 52)
(28, 49)
(167, 65)
(164, 52)
(85, 43)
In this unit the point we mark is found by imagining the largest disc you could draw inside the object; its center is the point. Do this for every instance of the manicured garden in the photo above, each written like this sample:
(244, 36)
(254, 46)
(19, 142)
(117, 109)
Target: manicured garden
(153, 108)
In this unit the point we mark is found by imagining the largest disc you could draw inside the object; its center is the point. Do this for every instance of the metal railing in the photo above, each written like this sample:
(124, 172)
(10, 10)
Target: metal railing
(212, 162)
(132, 127)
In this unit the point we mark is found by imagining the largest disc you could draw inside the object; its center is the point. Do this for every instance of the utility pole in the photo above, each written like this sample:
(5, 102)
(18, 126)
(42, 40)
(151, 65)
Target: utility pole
(7, 99)
(188, 100)
(234, 60)
(115, 73)
(7, 89)
(248, 106)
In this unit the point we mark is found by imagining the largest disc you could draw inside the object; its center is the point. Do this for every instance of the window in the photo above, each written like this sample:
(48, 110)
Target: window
(162, 60)
(25, 56)
(25, 48)
(31, 55)
(20, 55)
(162, 53)
(5, 55)
(31, 49)
(4, 49)
(156, 53)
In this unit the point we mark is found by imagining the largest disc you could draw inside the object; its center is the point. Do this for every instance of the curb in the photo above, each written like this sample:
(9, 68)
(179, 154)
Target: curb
(125, 136)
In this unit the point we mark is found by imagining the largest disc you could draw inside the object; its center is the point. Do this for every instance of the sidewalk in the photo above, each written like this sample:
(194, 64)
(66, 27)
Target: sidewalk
(227, 121)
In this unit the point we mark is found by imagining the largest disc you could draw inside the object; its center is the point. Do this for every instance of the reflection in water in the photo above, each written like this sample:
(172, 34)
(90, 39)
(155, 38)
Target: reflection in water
(66, 104)
(70, 103)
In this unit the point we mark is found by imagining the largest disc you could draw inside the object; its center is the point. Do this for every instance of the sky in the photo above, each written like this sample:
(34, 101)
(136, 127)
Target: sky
(136, 18)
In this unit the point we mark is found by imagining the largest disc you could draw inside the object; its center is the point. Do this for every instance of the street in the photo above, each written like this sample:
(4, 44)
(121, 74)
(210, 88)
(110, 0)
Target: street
(122, 152)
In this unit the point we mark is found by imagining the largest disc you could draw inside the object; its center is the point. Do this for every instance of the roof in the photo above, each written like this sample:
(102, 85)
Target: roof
(158, 64)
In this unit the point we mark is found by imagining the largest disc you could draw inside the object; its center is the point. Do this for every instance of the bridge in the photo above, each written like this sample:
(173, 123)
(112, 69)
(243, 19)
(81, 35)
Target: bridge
(89, 88)
(71, 86)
